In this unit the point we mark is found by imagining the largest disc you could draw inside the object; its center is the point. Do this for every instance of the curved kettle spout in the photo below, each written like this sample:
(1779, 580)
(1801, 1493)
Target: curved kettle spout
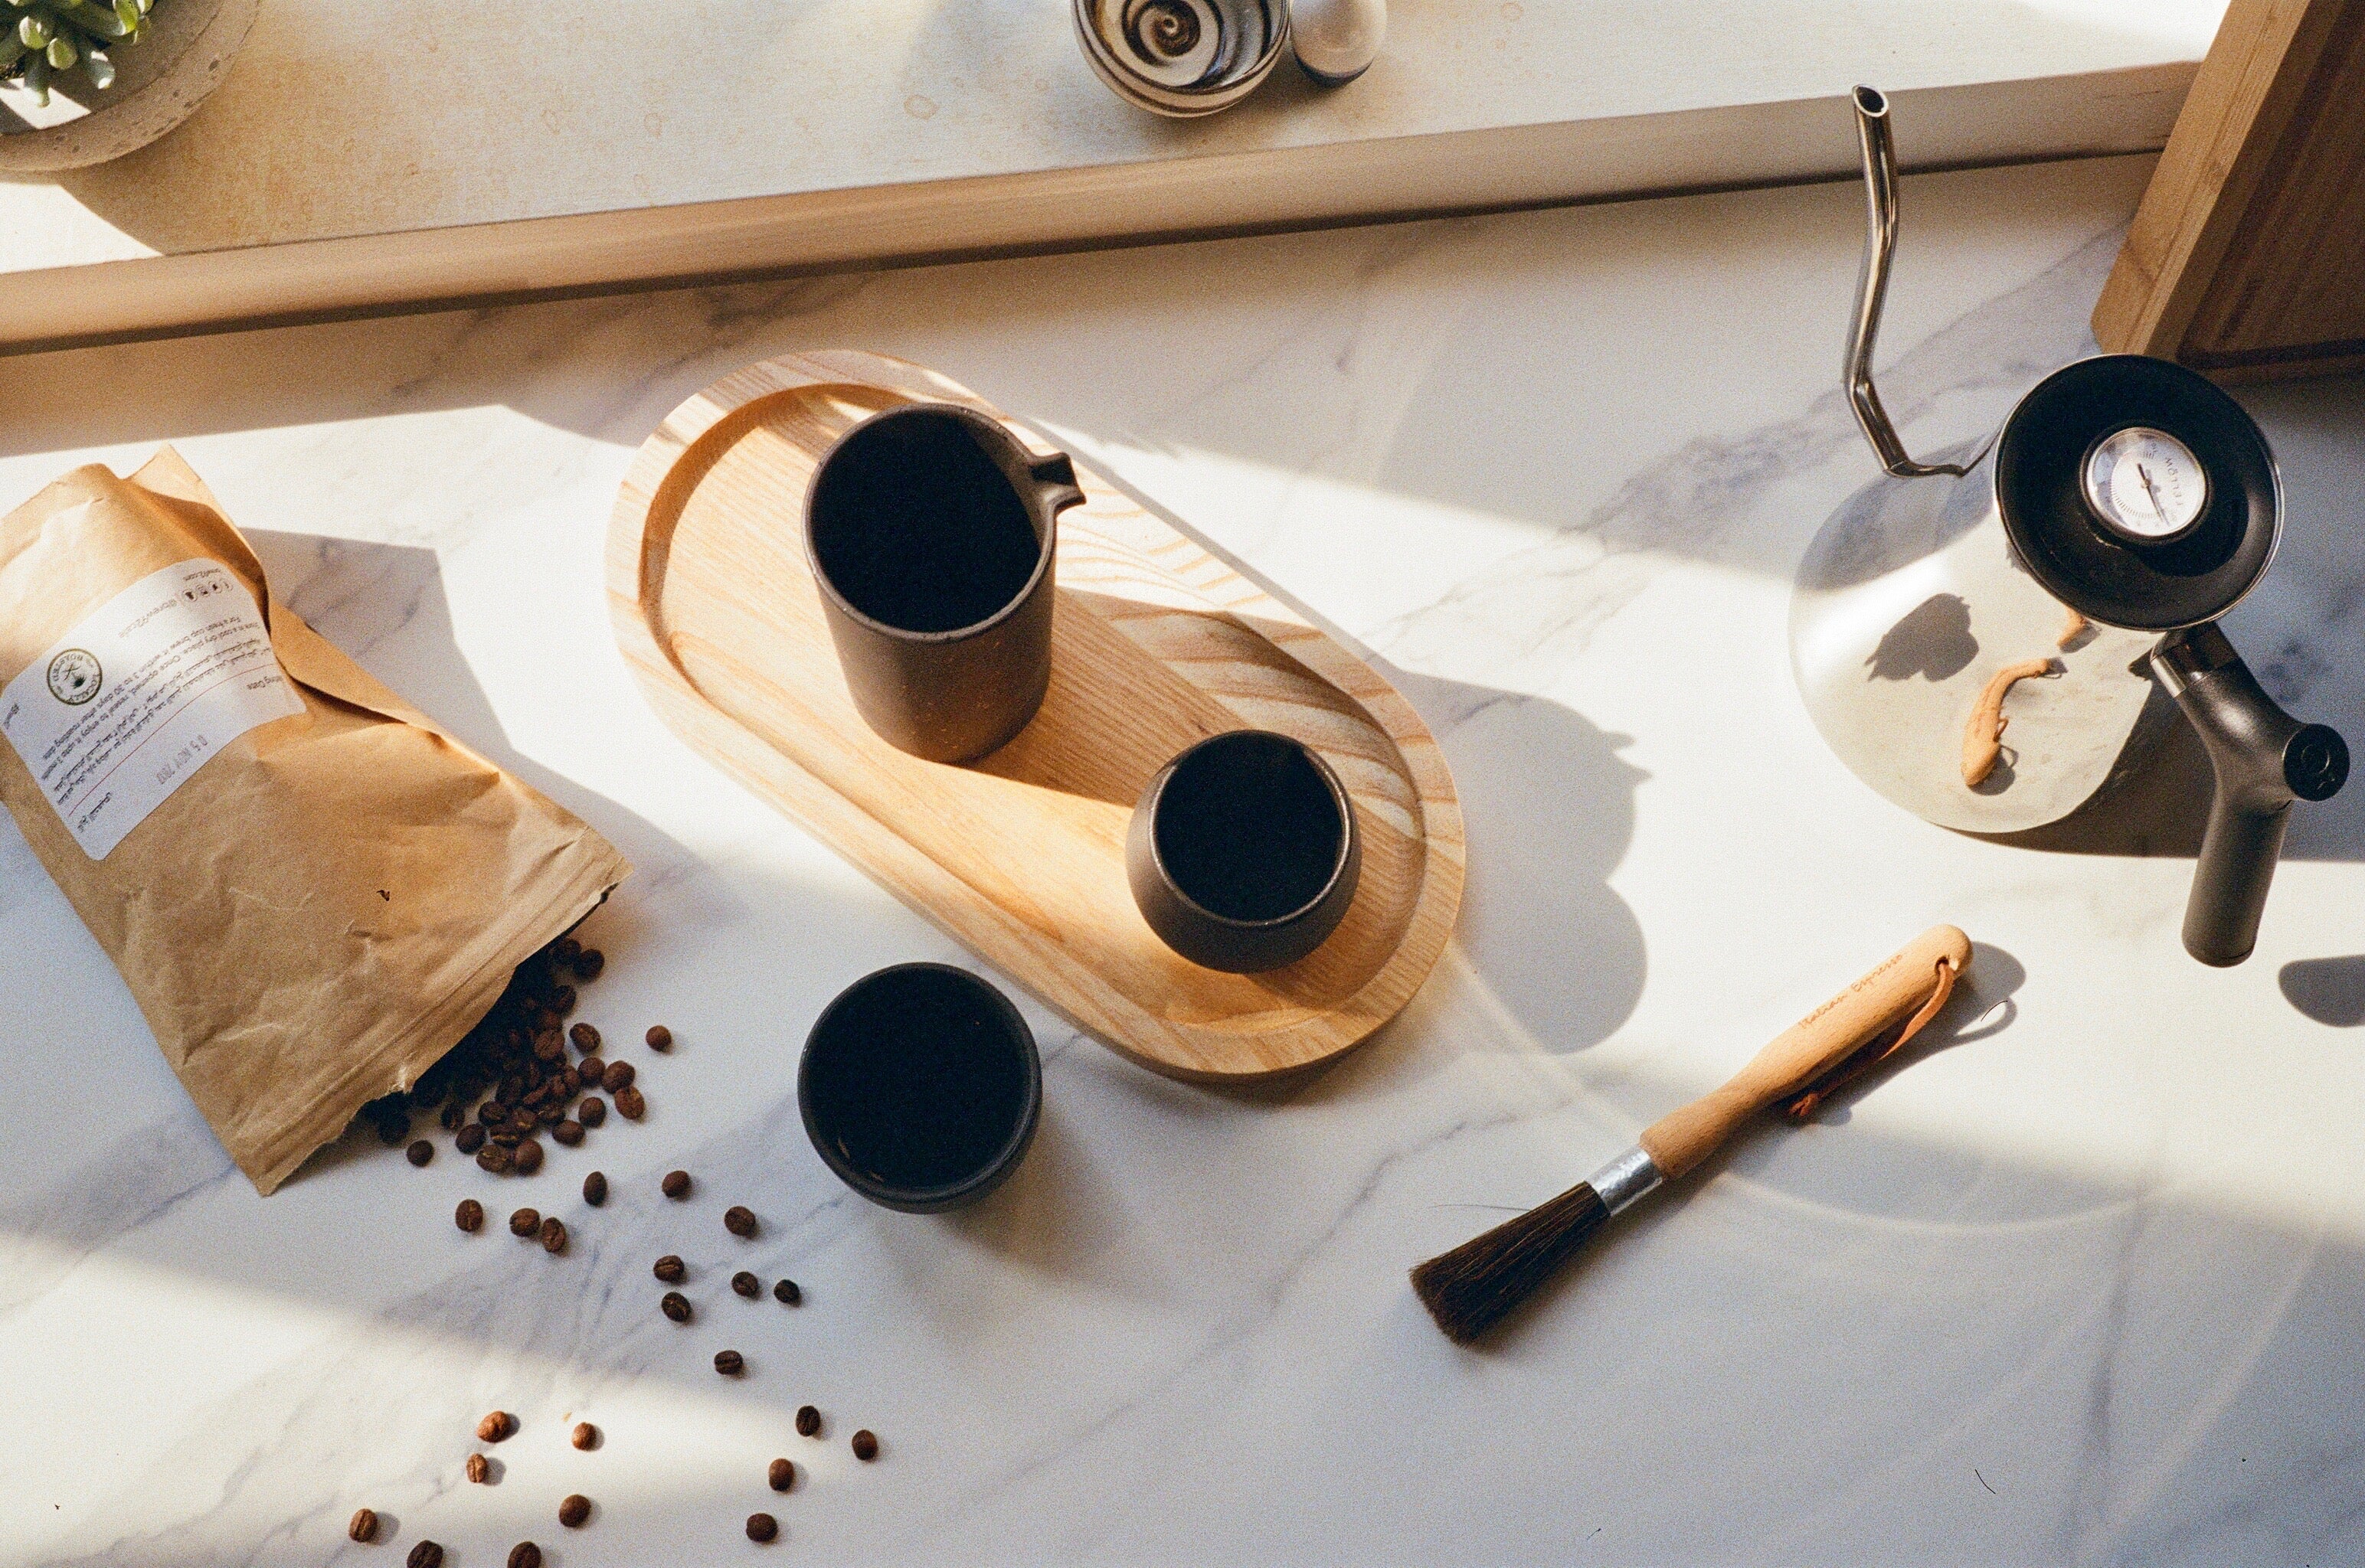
(1872, 288)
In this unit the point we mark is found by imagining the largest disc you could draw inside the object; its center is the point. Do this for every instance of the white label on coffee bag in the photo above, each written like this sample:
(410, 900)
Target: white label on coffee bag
(125, 707)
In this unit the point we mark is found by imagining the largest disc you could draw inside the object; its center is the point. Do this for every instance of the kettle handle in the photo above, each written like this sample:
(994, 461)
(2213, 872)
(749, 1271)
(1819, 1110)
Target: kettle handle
(1872, 288)
(2264, 760)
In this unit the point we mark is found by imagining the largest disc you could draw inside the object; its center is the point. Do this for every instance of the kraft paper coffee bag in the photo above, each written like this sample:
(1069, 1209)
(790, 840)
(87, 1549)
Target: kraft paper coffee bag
(311, 889)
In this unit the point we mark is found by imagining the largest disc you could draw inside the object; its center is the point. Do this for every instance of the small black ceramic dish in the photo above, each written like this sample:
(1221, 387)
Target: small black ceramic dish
(931, 530)
(1243, 853)
(920, 1086)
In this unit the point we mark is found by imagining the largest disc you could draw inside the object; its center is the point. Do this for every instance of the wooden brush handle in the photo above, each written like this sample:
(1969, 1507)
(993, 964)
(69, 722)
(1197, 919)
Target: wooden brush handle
(1806, 1050)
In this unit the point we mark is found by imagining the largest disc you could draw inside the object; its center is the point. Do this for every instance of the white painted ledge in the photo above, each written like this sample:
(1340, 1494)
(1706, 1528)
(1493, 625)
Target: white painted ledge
(370, 154)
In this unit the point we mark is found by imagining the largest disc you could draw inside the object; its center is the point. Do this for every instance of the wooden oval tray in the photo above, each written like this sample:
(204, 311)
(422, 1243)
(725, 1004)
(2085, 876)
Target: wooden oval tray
(1021, 856)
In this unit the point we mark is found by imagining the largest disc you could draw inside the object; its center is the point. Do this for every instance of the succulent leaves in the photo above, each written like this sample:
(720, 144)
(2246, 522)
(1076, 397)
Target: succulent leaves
(43, 38)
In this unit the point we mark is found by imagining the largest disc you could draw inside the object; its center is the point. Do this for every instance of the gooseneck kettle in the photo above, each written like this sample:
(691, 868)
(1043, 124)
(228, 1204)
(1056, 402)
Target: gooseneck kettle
(1978, 636)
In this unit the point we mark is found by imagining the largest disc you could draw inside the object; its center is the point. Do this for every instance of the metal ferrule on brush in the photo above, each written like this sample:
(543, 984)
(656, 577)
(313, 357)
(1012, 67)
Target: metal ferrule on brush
(1626, 1181)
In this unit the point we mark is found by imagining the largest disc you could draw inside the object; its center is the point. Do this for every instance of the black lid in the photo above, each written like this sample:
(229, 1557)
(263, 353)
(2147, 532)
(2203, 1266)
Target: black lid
(2105, 575)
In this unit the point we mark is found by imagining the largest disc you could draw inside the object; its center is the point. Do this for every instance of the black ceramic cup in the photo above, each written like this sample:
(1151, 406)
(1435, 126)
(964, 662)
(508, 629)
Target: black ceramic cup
(920, 1086)
(1243, 853)
(931, 530)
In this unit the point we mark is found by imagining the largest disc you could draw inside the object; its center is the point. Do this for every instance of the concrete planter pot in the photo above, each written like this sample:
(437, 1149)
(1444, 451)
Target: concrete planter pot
(159, 83)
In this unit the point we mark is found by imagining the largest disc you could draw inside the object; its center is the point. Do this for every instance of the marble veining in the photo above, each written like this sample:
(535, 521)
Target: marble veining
(2076, 1284)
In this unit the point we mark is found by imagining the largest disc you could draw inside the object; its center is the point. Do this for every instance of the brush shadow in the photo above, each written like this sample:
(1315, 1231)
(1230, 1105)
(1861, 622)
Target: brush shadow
(2330, 991)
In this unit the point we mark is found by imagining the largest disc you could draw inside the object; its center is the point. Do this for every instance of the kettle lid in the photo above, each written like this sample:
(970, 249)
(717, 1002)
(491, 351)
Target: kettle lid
(2137, 492)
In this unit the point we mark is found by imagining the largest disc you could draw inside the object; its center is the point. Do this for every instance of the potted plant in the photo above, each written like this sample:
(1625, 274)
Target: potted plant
(83, 81)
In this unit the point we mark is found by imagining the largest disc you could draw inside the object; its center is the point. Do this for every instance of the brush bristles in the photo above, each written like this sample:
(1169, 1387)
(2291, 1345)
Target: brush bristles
(1472, 1288)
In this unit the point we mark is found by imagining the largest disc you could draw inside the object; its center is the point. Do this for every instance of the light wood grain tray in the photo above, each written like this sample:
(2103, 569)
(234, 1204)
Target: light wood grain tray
(1021, 856)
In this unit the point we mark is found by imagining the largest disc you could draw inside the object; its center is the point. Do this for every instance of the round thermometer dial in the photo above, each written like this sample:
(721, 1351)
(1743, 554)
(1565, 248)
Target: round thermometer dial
(2145, 485)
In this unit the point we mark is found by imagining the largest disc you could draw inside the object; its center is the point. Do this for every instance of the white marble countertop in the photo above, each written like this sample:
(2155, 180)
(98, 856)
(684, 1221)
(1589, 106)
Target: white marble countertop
(2080, 1285)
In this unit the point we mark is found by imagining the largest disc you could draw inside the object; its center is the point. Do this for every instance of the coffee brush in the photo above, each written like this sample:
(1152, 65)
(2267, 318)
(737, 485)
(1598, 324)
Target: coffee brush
(1472, 1288)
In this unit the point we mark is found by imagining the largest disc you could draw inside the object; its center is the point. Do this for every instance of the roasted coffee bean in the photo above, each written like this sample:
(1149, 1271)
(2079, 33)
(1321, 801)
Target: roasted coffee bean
(865, 1445)
(471, 1138)
(595, 1189)
(617, 1077)
(586, 1038)
(529, 1157)
(524, 1222)
(521, 1120)
(496, 1159)
(659, 1038)
(592, 1112)
(480, 1469)
(746, 1284)
(525, 1554)
(549, 1046)
(509, 1137)
(550, 1116)
(585, 1436)
(426, 1554)
(553, 1234)
(495, 1427)
(676, 1186)
(573, 1509)
(589, 963)
(469, 1216)
(780, 1476)
(451, 1116)
(590, 1068)
(568, 1132)
(562, 1000)
(568, 1081)
(730, 1364)
(786, 1293)
(420, 1152)
(565, 950)
(739, 1220)
(364, 1526)
(669, 1268)
(630, 1105)
(491, 1114)
(762, 1527)
(676, 1306)
(807, 1421)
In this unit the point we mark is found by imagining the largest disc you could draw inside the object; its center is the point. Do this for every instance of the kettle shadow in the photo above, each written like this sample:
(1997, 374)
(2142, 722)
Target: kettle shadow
(2330, 991)
(1933, 640)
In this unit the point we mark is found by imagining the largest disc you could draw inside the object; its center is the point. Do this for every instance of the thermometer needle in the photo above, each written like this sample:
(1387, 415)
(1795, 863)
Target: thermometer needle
(2158, 510)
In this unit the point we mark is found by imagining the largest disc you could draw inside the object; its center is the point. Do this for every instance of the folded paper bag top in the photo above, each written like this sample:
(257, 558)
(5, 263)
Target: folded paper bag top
(311, 889)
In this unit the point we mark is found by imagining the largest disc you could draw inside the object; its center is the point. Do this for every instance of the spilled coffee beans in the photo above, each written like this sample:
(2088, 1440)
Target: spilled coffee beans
(584, 1435)
(595, 1189)
(674, 1305)
(786, 1293)
(807, 1421)
(495, 1427)
(730, 1364)
(420, 1152)
(524, 1222)
(780, 1476)
(865, 1445)
(617, 1077)
(746, 1284)
(568, 1132)
(469, 1216)
(364, 1526)
(659, 1038)
(470, 1139)
(554, 1235)
(676, 1186)
(479, 1468)
(669, 1269)
(426, 1554)
(586, 1038)
(573, 1509)
(525, 1554)
(592, 1111)
(529, 1157)
(630, 1105)
(762, 1527)
(739, 1220)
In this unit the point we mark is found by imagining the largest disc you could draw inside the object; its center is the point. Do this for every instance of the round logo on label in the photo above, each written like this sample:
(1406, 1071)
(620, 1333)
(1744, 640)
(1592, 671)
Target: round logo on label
(75, 677)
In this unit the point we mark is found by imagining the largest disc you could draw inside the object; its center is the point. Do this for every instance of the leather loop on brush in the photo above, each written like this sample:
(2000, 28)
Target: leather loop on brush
(1875, 1051)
